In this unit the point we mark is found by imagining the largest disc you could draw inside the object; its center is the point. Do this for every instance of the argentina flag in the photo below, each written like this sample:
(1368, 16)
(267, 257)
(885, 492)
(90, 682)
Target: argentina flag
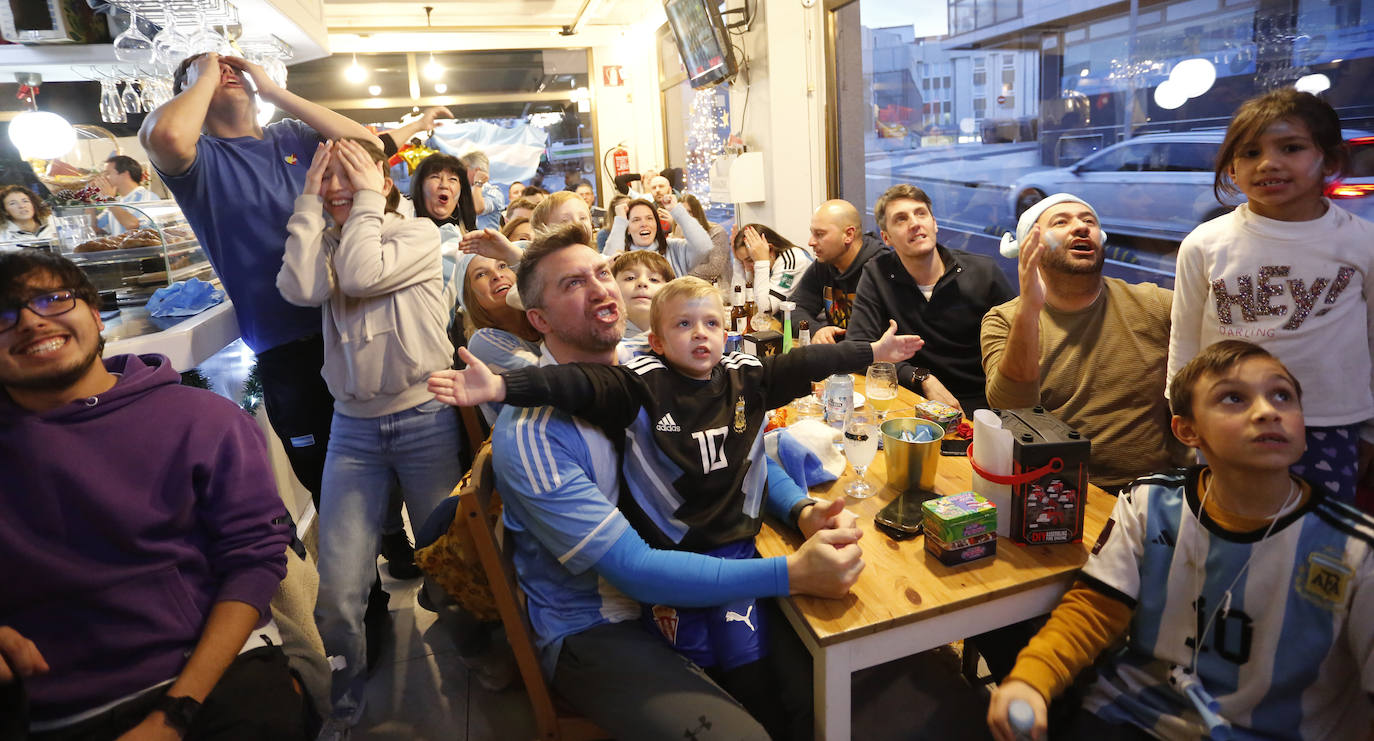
(514, 151)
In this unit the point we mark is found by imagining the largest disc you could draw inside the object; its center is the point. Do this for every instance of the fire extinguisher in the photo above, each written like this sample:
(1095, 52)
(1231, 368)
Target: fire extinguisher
(619, 158)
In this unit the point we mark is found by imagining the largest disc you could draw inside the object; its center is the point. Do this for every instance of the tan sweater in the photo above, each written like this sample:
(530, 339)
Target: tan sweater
(381, 286)
(1102, 371)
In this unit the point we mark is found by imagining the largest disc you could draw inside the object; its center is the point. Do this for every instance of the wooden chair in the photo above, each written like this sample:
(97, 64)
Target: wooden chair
(476, 500)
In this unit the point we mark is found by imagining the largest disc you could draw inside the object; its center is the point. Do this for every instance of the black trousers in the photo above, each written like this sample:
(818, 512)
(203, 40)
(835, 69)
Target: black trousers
(299, 406)
(254, 699)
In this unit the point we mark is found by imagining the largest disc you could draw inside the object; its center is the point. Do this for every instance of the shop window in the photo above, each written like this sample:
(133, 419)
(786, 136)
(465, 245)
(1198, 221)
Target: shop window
(1075, 87)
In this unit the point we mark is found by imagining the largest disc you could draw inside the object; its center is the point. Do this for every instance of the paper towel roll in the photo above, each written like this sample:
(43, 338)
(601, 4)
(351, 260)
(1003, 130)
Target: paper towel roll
(992, 453)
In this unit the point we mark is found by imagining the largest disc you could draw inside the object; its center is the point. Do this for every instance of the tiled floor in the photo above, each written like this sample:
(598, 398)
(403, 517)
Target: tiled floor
(421, 691)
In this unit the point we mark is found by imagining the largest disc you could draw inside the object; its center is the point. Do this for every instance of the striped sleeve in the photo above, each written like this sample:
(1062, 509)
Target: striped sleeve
(541, 463)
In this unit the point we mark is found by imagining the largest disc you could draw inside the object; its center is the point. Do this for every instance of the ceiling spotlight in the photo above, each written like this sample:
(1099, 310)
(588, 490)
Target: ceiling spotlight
(433, 70)
(440, 88)
(355, 72)
(374, 89)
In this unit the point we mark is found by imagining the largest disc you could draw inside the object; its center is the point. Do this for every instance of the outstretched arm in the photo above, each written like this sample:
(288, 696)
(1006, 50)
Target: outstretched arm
(425, 122)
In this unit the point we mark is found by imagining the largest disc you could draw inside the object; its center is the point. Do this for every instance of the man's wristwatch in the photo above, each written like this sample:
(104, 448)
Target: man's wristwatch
(916, 375)
(179, 711)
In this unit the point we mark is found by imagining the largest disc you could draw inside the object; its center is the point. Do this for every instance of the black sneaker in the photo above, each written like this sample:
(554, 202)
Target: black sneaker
(376, 623)
(399, 555)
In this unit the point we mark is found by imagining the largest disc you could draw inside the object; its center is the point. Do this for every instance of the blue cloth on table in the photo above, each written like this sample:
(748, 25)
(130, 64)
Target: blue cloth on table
(184, 298)
(800, 461)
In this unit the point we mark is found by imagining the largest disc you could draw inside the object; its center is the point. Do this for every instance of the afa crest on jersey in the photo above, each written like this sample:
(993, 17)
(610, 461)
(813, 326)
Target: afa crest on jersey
(1324, 580)
(740, 421)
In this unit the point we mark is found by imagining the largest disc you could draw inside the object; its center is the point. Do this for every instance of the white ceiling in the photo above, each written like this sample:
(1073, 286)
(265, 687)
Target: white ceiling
(389, 26)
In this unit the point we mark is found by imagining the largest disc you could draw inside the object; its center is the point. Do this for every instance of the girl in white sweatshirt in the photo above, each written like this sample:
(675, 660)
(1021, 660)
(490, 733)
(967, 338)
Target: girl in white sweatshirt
(377, 276)
(1291, 271)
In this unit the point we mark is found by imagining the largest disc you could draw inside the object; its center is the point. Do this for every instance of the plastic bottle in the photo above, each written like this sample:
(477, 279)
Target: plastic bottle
(839, 399)
(1021, 718)
(787, 307)
(803, 333)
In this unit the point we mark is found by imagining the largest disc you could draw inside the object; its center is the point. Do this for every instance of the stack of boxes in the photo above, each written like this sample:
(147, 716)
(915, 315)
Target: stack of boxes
(960, 528)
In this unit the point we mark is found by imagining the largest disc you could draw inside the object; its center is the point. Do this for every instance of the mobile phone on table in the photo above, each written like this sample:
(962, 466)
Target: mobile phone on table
(903, 514)
(954, 446)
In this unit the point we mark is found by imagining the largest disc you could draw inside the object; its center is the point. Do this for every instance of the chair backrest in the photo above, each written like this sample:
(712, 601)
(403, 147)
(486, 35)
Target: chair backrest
(477, 502)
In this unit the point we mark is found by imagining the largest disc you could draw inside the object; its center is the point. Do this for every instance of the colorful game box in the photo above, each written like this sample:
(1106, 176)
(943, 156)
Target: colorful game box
(962, 551)
(959, 516)
(941, 414)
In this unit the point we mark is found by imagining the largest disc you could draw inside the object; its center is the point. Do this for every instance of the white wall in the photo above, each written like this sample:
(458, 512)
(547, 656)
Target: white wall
(785, 118)
(631, 114)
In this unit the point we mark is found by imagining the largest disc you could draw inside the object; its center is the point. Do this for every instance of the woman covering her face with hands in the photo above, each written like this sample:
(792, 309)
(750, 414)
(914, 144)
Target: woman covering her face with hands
(378, 279)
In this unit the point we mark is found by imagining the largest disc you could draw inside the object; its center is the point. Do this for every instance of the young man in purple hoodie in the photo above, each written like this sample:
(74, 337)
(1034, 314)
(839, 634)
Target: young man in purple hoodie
(141, 532)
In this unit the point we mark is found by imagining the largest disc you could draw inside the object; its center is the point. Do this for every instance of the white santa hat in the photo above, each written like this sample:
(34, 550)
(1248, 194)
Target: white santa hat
(1010, 247)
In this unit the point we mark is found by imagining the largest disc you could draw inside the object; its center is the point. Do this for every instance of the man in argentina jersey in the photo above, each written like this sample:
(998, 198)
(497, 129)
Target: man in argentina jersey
(694, 448)
(582, 567)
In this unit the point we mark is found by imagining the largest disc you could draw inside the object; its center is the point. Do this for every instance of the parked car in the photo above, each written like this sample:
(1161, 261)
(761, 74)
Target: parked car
(1355, 191)
(1160, 185)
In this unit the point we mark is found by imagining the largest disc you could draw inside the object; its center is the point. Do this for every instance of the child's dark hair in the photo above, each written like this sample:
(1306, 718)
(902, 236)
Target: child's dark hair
(17, 270)
(1258, 113)
(659, 236)
(1215, 360)
(393, 197)
(777, 244)
(645, 259)
(464, 212)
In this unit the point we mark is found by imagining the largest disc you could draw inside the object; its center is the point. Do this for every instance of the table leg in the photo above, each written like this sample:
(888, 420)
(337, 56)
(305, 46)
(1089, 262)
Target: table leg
(831, 679)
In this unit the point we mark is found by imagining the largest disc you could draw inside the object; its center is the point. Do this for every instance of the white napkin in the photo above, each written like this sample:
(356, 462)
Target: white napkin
(992, 453)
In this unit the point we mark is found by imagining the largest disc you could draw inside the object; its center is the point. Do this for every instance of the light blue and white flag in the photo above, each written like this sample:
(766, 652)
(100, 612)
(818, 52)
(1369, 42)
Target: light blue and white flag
(514, 152)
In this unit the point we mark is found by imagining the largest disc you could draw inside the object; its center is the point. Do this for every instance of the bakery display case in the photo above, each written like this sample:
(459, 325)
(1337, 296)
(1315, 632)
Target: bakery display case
(132, 265)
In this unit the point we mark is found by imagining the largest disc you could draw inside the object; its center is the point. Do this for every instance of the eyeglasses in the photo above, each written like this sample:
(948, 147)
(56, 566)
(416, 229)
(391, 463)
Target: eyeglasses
(47, 304)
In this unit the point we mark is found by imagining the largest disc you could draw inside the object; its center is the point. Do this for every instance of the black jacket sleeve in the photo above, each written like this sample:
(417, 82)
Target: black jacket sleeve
(788, 377)
(605, 395)
(867, 322)
(809, 299)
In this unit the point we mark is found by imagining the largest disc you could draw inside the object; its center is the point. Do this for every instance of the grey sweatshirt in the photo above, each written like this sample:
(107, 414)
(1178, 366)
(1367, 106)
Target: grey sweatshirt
(381, 287)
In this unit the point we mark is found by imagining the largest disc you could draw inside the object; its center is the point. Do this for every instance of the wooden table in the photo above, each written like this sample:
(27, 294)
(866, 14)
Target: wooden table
(906, 601)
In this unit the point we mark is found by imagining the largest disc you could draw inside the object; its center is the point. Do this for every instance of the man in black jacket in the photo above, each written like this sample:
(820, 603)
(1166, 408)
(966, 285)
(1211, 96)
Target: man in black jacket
(826, 290)
(930, 290)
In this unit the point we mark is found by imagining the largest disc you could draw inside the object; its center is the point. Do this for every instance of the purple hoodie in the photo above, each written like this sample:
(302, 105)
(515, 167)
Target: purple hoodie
(123, 518)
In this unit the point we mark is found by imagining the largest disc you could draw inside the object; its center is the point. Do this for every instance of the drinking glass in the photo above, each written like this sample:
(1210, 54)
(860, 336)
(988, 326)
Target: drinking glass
(133, 103)
(811, 406)
(860, 445)
(880, 387)
(132, 45)
(111, 106)
(170, 46)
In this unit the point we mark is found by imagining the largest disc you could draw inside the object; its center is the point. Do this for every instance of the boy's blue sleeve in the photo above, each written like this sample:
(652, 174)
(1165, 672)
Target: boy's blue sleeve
(688, 579)
(783, 493)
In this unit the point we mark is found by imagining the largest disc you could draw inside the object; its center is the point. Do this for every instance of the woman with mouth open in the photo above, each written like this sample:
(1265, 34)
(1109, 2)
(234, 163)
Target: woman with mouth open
(441, 193)
(499, 334)
(636, 227)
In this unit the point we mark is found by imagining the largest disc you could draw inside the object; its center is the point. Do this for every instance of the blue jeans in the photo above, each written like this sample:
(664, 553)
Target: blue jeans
(417, 449)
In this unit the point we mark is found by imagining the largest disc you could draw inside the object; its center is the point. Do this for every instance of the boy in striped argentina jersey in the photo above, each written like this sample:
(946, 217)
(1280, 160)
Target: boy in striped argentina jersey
(693, 420)
(1235, 575)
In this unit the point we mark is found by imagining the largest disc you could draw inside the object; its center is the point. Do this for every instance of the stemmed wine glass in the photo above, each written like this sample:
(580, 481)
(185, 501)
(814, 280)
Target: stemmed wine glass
(860, 445)
(170, 46)
(133, 103)
(132, 46)
(111, 107)
(203, 38)
(880, 387)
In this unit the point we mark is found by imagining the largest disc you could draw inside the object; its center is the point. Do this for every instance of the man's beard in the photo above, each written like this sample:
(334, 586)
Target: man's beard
(591, 337)
(61, 379)
(1058, 261)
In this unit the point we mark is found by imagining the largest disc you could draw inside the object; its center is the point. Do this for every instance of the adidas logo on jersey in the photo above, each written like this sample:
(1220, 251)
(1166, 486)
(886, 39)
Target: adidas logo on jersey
(667, 424)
